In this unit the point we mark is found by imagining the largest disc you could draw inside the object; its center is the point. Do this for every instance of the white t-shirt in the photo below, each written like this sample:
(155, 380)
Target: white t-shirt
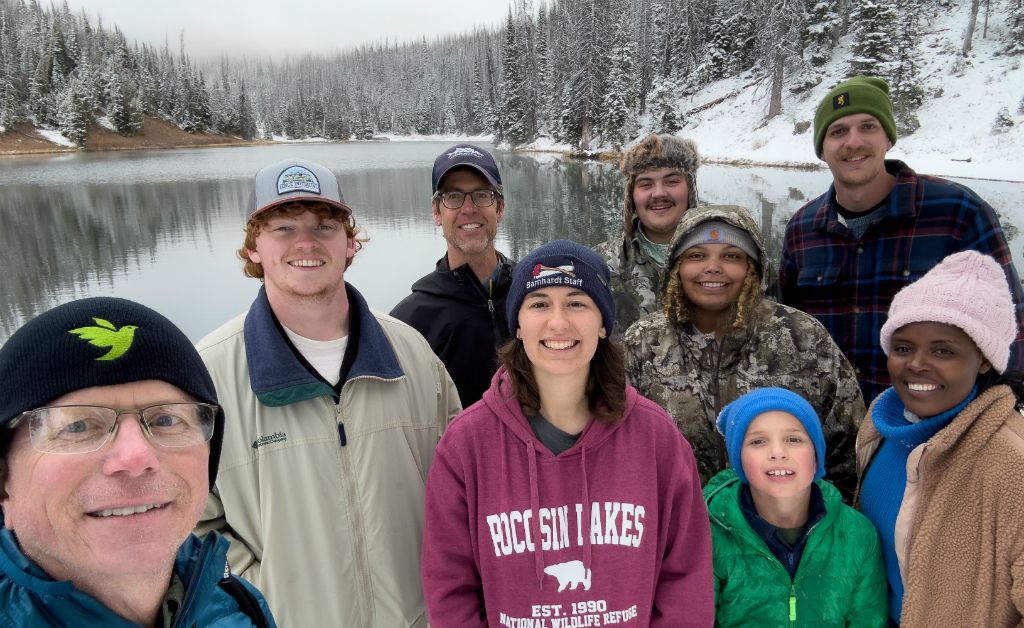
(324, 355)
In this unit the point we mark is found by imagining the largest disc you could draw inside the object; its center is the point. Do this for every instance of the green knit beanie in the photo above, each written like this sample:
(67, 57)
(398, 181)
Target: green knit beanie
(860, 94)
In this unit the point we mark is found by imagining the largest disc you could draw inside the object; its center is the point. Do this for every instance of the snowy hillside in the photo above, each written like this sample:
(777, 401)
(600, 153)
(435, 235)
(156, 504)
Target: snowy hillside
(963, 97)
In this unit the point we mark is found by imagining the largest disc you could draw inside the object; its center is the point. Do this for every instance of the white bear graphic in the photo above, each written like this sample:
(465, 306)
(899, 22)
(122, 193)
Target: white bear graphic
(570, 574)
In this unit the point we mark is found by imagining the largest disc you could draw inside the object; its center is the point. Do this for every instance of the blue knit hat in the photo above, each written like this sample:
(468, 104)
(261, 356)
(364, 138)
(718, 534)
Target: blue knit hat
(561, 263)
(738, 415)
(100, 341)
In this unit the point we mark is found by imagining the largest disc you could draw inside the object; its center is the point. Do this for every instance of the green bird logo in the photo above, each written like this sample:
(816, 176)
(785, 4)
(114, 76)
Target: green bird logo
(106, 334)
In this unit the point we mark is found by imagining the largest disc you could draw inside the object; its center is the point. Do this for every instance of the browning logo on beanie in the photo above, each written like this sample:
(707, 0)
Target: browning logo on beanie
(860, 94)
(562, 263)
(100, 341)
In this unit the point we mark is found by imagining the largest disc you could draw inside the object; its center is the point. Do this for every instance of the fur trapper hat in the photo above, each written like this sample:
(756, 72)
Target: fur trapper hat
(657, 151)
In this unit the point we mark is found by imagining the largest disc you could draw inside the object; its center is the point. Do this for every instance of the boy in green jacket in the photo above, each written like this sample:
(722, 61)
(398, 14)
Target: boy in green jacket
(787, 550)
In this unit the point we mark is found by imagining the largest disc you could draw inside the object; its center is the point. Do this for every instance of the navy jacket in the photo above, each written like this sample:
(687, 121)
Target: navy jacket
(463, 321)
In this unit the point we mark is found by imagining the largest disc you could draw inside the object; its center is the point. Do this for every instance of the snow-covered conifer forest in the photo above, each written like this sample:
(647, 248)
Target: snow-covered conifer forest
(592, 74)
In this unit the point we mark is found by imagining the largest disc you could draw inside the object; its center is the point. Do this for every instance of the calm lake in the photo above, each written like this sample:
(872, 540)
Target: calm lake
(162, 227)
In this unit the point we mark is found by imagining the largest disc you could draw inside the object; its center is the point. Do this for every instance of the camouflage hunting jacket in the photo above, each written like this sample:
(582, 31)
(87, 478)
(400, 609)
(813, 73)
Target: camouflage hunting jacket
(693, 378)
(636, 280)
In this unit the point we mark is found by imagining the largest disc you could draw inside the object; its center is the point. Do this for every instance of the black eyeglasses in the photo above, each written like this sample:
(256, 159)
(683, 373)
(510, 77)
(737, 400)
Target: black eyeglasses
(454, 200)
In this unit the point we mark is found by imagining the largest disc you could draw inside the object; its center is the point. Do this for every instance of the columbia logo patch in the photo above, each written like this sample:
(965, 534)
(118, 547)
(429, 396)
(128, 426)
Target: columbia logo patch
(297, 179)
(269, 439)
(463, 150)
(841, 100)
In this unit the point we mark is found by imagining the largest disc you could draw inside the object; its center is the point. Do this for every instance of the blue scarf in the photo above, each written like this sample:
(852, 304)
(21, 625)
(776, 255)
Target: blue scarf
(886, 477)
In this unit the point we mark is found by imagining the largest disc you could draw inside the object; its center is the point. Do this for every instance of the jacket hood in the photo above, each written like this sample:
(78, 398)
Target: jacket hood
(501, 400)
(734, 215)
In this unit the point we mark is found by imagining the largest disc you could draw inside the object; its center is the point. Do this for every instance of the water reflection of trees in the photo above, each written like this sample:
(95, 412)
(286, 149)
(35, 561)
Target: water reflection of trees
(551, 199)
(57, 240)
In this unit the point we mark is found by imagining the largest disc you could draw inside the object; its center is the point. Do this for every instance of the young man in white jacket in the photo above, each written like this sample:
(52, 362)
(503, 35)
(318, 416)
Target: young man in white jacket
(338, 409)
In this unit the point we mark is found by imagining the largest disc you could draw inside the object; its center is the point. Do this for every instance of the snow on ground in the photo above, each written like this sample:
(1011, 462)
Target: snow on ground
(435, 138)
(955, 138)
(55, 137)
(104, 121)
(284, 139)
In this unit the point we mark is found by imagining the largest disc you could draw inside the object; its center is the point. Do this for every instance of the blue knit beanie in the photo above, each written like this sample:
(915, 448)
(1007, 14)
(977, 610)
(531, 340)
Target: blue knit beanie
(561, 263)
(100, 341)
(738, 415)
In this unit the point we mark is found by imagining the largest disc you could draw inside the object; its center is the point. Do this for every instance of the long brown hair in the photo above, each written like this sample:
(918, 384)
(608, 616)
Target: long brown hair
(606, 383)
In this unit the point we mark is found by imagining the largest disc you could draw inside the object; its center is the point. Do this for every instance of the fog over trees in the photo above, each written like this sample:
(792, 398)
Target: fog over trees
(591, 73)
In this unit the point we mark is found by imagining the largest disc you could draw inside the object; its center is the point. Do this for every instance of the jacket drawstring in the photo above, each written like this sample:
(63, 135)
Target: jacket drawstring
(538, 550)
(586, 512)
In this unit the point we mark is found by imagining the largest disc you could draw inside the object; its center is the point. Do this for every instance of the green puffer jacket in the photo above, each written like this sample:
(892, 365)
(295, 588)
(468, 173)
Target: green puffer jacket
(840, 580)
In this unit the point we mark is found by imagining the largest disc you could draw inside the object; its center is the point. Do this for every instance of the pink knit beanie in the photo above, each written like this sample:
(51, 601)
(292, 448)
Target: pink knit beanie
(967, 290)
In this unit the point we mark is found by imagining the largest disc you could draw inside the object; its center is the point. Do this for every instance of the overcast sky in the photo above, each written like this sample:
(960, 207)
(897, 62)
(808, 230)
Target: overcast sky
(263, 27)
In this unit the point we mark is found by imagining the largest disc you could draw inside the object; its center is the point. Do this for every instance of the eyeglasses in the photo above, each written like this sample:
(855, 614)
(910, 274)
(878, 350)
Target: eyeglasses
(454, 200)
(85, 429)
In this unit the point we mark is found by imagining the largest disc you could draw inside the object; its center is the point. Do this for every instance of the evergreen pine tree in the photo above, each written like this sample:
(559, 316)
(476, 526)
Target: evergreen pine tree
(872, 32)
(512, 112)
(821, 31)
(246, 119)
(665, 118)
(618, 118)
(904, 80)
(1015, 22)
(716, 52)
(72, 112)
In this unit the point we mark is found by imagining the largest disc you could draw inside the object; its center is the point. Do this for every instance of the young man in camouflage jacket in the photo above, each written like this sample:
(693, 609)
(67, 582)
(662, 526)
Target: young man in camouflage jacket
(661, 184)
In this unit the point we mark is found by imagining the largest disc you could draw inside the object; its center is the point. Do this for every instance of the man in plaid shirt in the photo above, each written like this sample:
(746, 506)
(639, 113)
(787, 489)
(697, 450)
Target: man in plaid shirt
(879, 227)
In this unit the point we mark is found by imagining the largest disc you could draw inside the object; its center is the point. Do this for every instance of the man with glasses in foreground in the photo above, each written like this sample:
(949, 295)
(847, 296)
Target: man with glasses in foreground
(110, 439)
(460, 307)
(339, 410)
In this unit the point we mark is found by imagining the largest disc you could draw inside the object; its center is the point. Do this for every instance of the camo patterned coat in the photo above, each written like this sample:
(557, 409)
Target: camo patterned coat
(693, 378)
(635, 280)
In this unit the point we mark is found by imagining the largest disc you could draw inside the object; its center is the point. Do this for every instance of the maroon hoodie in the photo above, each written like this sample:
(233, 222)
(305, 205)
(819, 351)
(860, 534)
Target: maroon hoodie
(612, 531)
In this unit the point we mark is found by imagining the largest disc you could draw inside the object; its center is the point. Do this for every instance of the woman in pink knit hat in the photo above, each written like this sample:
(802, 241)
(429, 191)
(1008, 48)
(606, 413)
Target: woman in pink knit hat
(940, 457)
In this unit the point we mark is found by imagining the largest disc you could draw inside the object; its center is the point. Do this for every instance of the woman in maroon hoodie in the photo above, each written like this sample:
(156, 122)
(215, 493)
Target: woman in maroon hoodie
(563, 498)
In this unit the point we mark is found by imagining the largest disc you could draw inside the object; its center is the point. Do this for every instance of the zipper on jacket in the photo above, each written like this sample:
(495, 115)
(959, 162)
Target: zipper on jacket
(792, 603)
(341, 434)
(723, 456)
(494, 323)
(206, 552)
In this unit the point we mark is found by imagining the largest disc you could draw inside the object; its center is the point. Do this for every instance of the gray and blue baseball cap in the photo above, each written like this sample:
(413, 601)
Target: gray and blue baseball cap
(294, 180)
(469, 156)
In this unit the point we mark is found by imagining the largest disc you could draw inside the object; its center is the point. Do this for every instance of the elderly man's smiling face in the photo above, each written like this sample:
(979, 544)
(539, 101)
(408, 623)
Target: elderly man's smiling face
(123, 509)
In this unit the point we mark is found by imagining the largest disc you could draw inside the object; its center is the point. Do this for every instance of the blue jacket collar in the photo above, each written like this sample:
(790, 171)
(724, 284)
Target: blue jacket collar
(200, 563)
(278, 378)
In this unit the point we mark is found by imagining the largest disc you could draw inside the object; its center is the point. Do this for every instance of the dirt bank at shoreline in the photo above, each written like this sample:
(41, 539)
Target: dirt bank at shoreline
(23, 139)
